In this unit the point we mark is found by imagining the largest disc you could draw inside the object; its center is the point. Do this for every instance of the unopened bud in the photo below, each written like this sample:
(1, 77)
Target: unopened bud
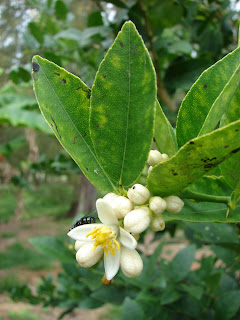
(164, 157)
(87, 257)
(157, 223)
(131, 263)
(137, 220)
(154, 158)
(174, 204)
(157, 204)
(109, 197)
(79, 244)
(121, 206)
(150, 169)
(138, 194)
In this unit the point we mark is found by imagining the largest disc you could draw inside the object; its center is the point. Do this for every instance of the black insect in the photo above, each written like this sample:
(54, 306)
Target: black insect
(84, 220)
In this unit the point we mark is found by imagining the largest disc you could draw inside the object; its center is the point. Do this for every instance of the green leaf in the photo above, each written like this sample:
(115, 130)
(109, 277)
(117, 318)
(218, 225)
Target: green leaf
(180, 266)
(164, 134)
(204, 212)
(209, 97)
(194, 160)
(193, 290)
(228, 304)
(169, 295)
(131, 310)
(61, 9)
(36, 32)
(211, 185)
(64, 101)
(230, 168)
(52, 247)
(122, 107)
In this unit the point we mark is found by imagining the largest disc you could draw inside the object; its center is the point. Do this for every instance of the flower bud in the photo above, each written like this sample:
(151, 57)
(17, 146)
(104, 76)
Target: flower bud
(137, 221)
(150, 169)
(109, 197)
(157, 223)
(138, 194)
(164, 157)
(154, 158)
(79, 244)
(174, 204)
(121, 206)
(131, 263)
(87, 257)
(157, 204)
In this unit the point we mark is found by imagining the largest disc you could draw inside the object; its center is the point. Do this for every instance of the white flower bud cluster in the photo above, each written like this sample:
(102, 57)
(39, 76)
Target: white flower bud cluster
(123, 219)
(154, 158)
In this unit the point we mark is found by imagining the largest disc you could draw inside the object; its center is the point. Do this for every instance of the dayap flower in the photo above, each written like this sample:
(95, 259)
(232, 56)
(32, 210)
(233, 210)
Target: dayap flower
(138, 194)
(155, 157)
(174, 204)
(121, 205)
(157, 204)
(157, 223)
(106, 238)
(137, 220)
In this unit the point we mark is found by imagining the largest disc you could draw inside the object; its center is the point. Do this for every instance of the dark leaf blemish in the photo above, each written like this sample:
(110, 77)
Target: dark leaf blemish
(75, 138)
(121, 44)
(212, 159)
(64, 81)
(56, 128)
(97, 125)
(154, 140)
(236, 150)
(236, 130)
(175, 173)
(87, 169)
(209, 166)
(104, 75)
(84, 135)
(35, 67)
(204, 86)
(227, 146)
(191, 142)
(57, 74)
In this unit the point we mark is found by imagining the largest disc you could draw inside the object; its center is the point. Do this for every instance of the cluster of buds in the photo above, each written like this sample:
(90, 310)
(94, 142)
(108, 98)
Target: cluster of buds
(123, 218)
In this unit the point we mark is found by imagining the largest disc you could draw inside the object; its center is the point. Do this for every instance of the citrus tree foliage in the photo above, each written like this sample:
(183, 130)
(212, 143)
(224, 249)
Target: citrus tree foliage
(109, 129)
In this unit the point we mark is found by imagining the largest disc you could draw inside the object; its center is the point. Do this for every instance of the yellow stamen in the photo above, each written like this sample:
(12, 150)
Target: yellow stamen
(104, 236)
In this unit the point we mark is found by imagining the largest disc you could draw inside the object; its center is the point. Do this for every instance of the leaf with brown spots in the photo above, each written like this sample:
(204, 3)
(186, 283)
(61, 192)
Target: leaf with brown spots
(209, 98)
(189, 164)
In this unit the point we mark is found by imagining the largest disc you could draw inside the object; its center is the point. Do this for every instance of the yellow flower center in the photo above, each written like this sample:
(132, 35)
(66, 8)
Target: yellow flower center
(104, 236)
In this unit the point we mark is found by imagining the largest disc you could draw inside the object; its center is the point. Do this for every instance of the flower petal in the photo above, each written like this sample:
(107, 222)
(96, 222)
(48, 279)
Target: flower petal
(127, 240)
(111, 264)
(105, 213)
(79, 233)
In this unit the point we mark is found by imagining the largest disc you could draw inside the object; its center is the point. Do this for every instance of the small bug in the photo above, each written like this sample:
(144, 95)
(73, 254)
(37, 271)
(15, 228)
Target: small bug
(84, 220)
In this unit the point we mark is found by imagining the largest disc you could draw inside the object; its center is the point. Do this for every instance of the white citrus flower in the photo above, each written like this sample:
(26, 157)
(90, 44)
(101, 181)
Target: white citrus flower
(121, 205)
(157, 223)
(174, 204)
(138, 194)
(106, 238)
(150, 169)
(154, 158)
(157, 204)
(138, 220)
(131, 263)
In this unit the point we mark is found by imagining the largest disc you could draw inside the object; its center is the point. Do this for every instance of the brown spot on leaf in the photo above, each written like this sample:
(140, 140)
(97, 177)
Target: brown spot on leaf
(236, 150)
(121, 44)
(57, 74)
(204, 86)
(191, 142)
(35, 67)
(64, 81)
(227, 146)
